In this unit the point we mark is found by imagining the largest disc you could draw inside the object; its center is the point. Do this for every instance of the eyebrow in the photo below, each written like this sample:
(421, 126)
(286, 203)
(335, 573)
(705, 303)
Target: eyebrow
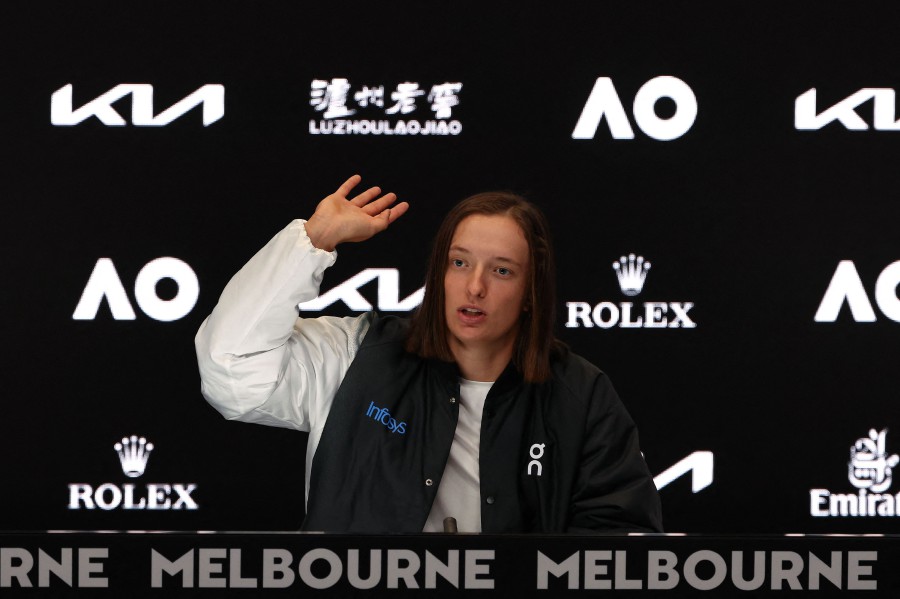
(459, 248)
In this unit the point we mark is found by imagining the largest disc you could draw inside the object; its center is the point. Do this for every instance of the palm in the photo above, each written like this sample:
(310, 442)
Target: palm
(338, 219)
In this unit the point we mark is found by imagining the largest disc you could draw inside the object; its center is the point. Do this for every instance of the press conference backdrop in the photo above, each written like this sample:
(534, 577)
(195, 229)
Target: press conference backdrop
(722, 183)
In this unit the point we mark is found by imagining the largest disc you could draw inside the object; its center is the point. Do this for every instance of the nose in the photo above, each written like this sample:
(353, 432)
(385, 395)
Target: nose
(475, 285)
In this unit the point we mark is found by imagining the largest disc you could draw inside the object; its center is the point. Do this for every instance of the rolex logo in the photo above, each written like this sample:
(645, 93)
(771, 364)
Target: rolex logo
(133, 453)
(632, 272)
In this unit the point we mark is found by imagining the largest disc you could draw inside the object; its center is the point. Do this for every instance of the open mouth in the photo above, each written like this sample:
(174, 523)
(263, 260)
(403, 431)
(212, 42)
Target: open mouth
(471, 311)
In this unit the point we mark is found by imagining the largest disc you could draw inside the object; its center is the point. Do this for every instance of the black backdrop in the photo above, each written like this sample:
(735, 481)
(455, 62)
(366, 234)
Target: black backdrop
(744, 216)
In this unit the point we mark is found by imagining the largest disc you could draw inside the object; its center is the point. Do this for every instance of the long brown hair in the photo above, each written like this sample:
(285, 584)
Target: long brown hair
(535, 342)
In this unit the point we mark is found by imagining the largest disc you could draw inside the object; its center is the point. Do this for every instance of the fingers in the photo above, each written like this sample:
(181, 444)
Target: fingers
(366, 196)
(380, 205)
(348, 185)
(395, 212)
(389, 215)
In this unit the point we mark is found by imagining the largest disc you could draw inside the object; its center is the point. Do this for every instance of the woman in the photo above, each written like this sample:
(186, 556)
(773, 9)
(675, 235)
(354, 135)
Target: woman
(472, 410)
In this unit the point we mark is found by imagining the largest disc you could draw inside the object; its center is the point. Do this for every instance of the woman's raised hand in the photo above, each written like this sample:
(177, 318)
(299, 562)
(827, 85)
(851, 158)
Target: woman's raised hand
(338, 219)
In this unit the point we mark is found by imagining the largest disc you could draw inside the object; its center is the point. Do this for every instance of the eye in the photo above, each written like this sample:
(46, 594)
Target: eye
(503, 271)
(457, 262)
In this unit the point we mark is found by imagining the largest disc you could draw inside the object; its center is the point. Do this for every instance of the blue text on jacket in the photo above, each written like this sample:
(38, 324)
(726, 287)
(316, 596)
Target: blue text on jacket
(384, 417)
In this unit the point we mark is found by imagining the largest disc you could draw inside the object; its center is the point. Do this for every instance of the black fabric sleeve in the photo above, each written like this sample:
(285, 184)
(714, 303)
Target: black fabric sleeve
(613, 490)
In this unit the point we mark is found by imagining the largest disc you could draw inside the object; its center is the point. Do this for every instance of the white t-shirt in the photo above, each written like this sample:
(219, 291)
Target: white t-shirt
(459, 494)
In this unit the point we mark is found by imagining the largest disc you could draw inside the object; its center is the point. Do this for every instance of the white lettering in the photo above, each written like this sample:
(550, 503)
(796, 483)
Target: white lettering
(579, 311)
(62, 569)
(845, 285)
(786, 567)
(685, 108)
(105, 282)
(108, 489)
(87, 567)
(62, 114)
(10, 570)
(737, 570)
(622, 581)
(335, 568)
(661, 574)
(405, 572)
(604, 101)
(184, 566)
(172, 309)
(448, 571)
(720, 570)
(235, 580)
(277, 573)
(568, 567)
(207, 569)
(80, 494)
(607, 315)
(474, 569)
(593, 570)
(855, 570)
(817, 499)
(374, 569)
(699, 464)
(819, 569)
(348, 292)
(884, 112)
(886, 291)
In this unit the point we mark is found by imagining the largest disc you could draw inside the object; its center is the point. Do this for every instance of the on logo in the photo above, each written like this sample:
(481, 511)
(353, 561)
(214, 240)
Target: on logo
(604, 101)
(62, 114)
(807, 119)
(348, 292)
(847, 286)
(105, 282)
(536, 452)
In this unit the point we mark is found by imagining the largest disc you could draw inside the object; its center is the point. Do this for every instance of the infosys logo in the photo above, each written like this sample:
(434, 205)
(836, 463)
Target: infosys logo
(384, 417)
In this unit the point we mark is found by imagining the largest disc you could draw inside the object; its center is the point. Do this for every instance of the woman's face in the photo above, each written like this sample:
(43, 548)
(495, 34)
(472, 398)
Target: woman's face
(485, 282)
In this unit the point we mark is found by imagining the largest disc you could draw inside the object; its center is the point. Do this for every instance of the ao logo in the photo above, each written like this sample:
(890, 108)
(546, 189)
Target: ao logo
(62, 113)
(104, 282)
(604, 101)
(846, 286)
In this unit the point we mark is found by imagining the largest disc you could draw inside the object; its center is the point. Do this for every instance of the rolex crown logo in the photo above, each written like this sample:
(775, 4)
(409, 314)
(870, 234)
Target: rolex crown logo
(632, 271)
(133, 452)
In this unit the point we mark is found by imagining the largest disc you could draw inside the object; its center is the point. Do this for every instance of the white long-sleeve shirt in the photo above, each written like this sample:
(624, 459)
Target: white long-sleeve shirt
(260, 363)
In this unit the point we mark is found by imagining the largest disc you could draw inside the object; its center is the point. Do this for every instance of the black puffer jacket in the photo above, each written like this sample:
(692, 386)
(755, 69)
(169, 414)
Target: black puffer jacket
(371, 475)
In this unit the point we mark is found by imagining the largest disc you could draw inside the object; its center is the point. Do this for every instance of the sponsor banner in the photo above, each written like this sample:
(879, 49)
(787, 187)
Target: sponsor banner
(604, 103)
(348, 293)
(871, 471)
(178, 565)
(143, 112)
(134, 453)
(104, 284)
(846, 287)
(807, 116)
(631, 272)
(405, 109)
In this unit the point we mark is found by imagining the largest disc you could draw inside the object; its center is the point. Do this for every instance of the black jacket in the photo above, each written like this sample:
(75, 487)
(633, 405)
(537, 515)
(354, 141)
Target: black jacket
(373, 475)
